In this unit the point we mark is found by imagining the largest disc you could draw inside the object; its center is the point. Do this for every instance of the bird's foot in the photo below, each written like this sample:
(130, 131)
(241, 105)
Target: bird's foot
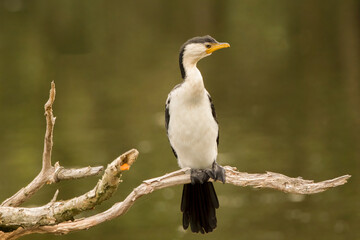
(216, 172)
(199, 176)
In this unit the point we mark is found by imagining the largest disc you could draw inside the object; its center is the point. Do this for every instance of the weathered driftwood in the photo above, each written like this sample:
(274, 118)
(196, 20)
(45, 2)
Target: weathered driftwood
(57, 217)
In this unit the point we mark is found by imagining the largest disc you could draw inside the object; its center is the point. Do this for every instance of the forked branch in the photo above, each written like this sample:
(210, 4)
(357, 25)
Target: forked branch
(266, 180)
(48, 174)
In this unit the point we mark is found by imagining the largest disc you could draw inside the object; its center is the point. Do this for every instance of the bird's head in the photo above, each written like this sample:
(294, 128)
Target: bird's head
(197, 48)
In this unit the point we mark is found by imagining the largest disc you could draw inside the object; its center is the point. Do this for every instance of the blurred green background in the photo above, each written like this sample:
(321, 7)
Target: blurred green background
(287, 95)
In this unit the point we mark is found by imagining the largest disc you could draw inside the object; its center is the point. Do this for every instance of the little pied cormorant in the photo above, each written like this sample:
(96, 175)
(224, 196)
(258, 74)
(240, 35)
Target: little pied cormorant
(193, 132)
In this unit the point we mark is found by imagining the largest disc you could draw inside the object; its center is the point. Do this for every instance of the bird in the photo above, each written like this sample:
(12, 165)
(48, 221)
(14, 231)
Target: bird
(193, 132)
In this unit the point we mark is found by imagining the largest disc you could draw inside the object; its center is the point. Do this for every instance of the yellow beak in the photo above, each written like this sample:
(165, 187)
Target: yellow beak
(217, 46)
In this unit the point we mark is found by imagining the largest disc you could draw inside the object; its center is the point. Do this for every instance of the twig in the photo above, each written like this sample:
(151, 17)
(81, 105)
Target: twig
(75, 173)
(54, 197)
(281, 182)
(50, 122)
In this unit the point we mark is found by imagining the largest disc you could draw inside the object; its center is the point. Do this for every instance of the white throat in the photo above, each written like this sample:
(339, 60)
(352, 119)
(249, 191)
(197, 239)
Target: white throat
(193, 79)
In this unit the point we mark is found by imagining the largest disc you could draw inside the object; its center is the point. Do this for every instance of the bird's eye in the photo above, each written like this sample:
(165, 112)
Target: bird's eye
(208, 46)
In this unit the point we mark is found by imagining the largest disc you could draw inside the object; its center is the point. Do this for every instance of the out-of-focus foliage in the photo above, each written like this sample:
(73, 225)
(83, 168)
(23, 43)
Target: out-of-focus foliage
(287, 94)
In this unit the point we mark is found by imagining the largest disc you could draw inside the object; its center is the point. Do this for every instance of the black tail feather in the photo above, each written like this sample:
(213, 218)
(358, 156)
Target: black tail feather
(198, 205)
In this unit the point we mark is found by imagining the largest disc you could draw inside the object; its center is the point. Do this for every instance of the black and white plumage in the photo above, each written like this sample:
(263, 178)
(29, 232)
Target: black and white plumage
(193, 132)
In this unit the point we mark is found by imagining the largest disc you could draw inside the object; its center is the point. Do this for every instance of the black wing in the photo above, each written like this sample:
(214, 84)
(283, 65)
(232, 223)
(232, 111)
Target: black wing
(167, 120)
(167, 114)
(214, 115)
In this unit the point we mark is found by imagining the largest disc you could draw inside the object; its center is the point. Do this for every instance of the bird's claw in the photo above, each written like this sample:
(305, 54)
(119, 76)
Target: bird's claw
(216, 172)
(199, 176)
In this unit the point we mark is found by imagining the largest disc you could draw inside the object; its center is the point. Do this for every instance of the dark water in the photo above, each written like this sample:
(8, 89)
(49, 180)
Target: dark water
(287, 95)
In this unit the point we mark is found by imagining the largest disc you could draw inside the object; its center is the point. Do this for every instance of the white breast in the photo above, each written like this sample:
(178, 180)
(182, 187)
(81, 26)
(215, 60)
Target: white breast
(192, 129)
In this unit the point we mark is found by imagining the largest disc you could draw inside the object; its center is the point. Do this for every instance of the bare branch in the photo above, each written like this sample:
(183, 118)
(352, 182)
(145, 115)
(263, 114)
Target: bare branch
(75, 173)
(27, 192)
(50, 122)
(48, 174)
(54, 197)
(56, 212)
(266, 180)
(281, 182)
